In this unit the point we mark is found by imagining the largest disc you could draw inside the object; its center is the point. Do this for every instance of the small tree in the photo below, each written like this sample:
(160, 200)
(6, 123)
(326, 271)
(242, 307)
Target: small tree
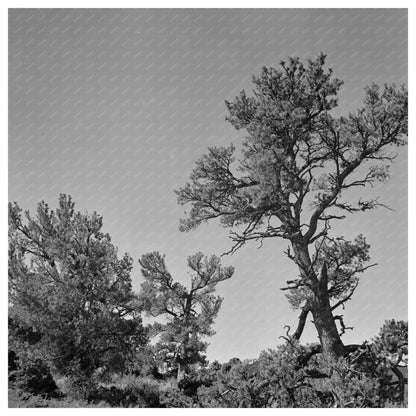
(67, 284)
(392, 341)
(391, 348)
(291, 177)
(189, 313)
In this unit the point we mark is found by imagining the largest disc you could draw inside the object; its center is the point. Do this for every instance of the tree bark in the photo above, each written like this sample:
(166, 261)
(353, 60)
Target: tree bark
(327, 331)
(301, 323)
(319, 304)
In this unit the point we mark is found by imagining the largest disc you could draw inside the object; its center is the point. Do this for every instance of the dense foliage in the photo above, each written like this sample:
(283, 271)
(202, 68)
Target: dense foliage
(70, 295)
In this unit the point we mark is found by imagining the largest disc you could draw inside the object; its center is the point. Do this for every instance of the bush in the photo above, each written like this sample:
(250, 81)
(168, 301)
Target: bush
(147, 390)
(22, 399)
(30, 374)
(129, 391)
(288, 385)
(235, 385)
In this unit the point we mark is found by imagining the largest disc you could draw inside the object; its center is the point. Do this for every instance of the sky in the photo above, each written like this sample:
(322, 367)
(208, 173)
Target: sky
(115, 106)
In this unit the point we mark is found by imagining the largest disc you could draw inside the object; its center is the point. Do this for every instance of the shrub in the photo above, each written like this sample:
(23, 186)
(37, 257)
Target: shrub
(23, 399)
(129, 391)
(29, 373)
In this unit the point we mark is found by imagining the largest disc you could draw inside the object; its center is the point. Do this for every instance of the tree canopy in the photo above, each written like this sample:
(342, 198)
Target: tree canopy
(295, 155)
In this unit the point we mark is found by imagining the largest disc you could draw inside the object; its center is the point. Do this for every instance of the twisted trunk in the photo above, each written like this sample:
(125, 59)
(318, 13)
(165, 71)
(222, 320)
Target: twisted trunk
(319, 304)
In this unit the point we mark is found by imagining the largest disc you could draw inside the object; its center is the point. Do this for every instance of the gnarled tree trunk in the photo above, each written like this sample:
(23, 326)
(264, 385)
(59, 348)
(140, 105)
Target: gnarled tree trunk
(318, 304)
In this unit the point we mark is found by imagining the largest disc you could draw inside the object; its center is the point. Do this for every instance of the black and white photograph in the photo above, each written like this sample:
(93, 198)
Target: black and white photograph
(207, 207)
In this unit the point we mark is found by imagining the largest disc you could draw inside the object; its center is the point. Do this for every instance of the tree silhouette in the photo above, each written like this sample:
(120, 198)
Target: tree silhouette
(189, 313)
(290, 177)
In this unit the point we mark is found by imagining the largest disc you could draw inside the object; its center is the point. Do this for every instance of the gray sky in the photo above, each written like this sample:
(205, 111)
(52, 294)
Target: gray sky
(114, 106)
